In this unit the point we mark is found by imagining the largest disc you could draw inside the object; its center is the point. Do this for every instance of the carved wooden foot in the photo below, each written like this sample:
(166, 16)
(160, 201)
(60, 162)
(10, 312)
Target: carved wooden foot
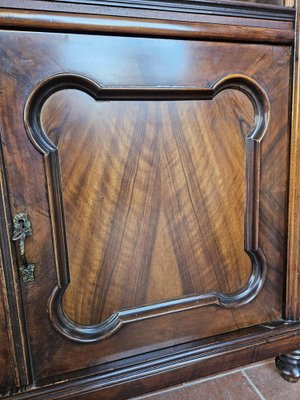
(289, 366)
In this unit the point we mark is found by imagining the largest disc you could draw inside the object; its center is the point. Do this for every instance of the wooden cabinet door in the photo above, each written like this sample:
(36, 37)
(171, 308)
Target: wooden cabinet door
(154, 174)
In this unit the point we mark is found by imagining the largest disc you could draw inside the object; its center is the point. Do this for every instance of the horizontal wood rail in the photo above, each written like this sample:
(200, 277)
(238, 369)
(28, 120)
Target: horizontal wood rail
(80, 23)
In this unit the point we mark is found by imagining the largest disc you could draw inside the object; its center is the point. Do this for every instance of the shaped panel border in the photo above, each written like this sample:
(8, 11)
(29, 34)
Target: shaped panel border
(32, 112)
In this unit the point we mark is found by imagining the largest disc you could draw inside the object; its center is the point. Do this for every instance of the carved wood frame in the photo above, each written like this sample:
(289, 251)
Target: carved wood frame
(91, 333)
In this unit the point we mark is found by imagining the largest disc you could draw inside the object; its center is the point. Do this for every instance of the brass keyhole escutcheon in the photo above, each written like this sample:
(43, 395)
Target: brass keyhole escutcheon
(22, 229)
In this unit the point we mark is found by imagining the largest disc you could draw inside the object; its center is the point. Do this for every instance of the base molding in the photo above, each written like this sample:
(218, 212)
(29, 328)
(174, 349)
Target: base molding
(161, 369)
(289, 366)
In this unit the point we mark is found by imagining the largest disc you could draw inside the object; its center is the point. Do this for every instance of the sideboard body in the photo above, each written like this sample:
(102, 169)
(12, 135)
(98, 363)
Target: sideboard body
(151, 154)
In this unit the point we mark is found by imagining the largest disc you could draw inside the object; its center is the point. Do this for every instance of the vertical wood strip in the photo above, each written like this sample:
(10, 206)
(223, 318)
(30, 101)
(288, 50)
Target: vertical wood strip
(292, 307)
(12, 292)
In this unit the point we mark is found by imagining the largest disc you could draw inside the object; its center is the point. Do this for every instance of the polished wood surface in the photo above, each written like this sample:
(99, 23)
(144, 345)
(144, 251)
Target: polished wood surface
(14, 362)
(175, 365)
(289, 364)
(124, 170)
(53, 21)
(292, 305)
(150, 146)
(176, 63)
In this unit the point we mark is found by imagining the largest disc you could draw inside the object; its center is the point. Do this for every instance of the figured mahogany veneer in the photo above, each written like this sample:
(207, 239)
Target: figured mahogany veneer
(131, 242)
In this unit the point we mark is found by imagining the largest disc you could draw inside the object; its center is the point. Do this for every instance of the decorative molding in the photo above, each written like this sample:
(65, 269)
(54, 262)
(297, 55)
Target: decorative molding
(81, 23)
(81, 333)
(178, 365)
(224, 8)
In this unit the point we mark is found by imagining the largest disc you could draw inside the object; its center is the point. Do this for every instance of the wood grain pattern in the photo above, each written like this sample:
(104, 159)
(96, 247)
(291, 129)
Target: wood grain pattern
(15, 370)
(126, 210)
(288, 364)
(292, 306)
(130, 262)
(29, 58)
(155, 184)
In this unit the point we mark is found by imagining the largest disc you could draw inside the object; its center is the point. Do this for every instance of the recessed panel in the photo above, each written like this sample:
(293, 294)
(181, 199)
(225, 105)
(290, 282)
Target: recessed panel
(154, 197)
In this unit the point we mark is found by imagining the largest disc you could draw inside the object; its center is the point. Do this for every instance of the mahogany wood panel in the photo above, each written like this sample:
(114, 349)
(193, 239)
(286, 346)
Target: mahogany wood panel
(33, 110)
(29, 58)
(124, 170)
